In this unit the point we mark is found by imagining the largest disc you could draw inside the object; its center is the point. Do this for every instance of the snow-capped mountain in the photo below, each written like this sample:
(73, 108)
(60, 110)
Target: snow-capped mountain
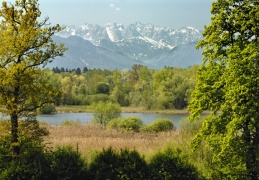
(160, 36)
(144, 43)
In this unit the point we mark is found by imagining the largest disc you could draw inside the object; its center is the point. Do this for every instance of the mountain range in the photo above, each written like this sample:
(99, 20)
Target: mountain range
(115, 46)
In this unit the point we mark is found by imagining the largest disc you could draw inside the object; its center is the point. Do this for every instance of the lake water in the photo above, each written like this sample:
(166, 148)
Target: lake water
(56, 119)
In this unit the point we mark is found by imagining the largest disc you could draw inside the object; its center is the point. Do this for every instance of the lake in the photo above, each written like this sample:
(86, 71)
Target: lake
(56, 119)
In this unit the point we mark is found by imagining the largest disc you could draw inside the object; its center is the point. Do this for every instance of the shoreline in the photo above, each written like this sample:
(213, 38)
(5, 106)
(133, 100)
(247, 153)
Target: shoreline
(86, 109)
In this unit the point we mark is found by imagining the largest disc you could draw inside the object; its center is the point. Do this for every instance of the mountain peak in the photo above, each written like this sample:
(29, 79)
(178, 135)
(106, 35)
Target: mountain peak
(138, 42)
(115, 32)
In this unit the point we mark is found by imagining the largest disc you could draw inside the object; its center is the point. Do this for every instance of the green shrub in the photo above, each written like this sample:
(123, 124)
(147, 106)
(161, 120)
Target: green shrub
(35, 161)
(127, 124)
(43, 123)
(48, 109)
(114, 123)
(69, 123)
(67, 164)
(109, 164)
(31, 163)
(160, 125)
(170, 165)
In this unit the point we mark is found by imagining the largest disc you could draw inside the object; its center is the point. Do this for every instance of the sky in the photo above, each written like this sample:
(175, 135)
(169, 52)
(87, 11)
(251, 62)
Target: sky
(170, 13)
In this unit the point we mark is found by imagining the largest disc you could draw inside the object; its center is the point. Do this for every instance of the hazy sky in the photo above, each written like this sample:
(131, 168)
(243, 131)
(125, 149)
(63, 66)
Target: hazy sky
(171, 13)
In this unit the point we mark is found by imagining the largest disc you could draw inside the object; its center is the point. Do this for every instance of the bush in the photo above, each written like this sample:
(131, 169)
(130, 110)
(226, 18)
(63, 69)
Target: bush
(112, 165)
(127, 124)
(34, 162)
(67, 164)
(48, 109)
(70, 123)
(170, 165)
(160, 125)
(31, 163)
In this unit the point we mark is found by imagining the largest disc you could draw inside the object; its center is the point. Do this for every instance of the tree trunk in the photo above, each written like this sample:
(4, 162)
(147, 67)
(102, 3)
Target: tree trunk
(14, 133)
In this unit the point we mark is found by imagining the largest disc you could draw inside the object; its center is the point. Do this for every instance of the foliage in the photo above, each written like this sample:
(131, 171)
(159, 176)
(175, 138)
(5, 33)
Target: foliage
(25, 45)
(228, 86)
(97, 98)
(201, 157)
(103, 112)
(37, 162)
(48, 109)
(117, 165)
(102, 88)
(126, 123)
(28, 129)
(140, 86)
(69, 123)
(67, 164)
(31, 163)
(4, 127)
(172, 88)
(170, 164)
(160, 125)
(191, 128)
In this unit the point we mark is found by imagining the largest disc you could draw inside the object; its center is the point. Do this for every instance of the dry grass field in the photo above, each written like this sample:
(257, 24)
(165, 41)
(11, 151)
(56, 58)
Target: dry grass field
(89, 139)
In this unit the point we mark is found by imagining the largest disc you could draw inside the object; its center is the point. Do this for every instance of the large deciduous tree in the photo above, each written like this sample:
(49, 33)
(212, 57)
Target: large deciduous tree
(25, 44)
(228, 85)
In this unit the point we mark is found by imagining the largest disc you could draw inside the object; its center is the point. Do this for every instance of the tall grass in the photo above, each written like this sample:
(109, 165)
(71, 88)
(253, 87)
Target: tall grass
(92, 138)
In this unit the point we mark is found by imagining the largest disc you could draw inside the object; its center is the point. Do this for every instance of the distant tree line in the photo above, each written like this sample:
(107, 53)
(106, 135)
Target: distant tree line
(140, 86)
(77, 70)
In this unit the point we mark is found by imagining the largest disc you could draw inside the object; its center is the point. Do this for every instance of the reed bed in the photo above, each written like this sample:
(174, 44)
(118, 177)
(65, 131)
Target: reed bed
(89, 139)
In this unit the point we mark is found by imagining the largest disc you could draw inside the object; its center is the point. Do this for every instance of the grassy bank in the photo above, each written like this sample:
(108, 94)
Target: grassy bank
(76, 109)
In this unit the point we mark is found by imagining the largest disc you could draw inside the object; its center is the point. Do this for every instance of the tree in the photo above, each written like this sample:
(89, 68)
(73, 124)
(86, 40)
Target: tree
(171, 86)
(25, 44)
(228, 85)
(102, 88)
(105, 111)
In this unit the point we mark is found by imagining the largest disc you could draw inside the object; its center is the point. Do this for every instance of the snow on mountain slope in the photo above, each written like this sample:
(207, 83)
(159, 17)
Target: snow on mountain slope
(117, 32)
(82, 53)
(136, 43)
